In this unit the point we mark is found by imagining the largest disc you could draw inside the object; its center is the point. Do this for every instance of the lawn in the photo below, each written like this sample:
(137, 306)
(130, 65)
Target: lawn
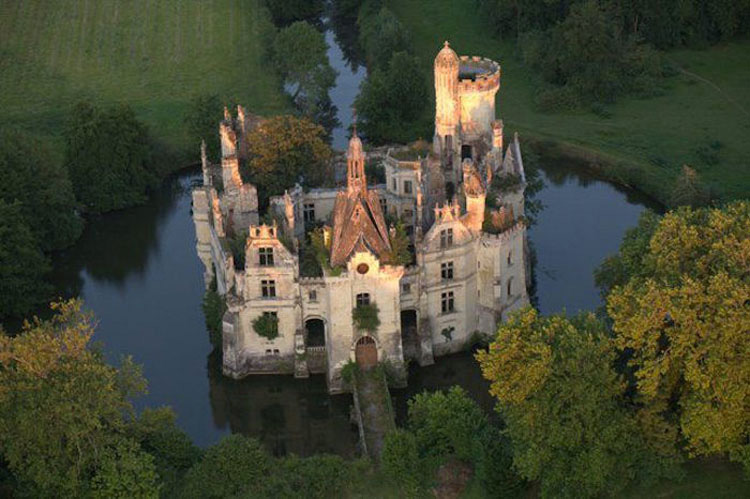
(152, 54)
(644, 141)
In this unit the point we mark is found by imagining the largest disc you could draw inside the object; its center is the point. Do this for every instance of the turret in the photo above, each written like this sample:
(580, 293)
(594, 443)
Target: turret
(447, 110)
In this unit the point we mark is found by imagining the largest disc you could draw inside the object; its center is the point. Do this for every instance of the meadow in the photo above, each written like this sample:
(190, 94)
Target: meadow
(155, 55)
(700, 118)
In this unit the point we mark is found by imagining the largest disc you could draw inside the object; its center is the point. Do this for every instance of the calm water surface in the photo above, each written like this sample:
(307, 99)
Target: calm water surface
(138, 271)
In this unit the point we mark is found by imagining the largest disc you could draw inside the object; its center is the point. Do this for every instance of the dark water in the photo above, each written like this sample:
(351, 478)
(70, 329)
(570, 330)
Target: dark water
(138, 271)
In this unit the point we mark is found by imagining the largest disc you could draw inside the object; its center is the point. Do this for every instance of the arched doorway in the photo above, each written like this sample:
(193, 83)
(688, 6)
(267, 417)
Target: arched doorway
(316, 332)
(366, 353)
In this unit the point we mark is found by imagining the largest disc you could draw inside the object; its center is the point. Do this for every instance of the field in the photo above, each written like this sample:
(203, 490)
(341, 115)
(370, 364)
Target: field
(643, 141)
(152, 54)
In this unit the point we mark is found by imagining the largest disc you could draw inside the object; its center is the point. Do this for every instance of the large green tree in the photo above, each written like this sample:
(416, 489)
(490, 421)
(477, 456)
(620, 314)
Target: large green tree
(681, 311)
(391, 101)
(284, 149)
(22, 264)
(563, 405)
(300, 55)
(64, 412)
(37, 179)
(109, 155)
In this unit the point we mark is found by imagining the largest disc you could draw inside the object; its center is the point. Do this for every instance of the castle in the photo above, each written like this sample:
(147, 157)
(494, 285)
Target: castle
(466, 236)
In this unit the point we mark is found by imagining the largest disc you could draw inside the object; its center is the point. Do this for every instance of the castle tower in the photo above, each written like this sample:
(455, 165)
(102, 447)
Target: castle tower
(447, 110)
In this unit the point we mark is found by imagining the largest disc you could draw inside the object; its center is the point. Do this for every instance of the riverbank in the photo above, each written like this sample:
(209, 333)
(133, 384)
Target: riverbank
(701, 119)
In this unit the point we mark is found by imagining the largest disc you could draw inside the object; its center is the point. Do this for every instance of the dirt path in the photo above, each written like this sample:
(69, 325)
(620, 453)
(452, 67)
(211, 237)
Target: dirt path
(710, 84)
(377, 417)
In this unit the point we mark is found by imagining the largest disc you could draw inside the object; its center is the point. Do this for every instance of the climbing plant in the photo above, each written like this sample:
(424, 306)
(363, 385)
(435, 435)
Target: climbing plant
(366, 318)
(267, 325)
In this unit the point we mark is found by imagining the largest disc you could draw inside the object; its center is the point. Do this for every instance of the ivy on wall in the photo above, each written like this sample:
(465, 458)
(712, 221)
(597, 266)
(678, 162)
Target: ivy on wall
(267, 325)
(366, 318)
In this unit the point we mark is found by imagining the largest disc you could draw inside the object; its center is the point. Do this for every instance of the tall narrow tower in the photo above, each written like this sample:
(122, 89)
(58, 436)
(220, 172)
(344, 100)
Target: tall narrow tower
(447, 110)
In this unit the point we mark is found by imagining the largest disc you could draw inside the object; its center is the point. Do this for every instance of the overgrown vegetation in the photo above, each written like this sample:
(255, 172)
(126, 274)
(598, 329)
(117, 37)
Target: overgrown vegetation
(267, 326)
(316, 256)
(116, 138)
(284, 150)
(366, 317)
(400, 253)
(214, 307)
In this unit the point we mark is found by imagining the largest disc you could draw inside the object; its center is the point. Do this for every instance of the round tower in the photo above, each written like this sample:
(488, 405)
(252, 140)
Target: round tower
(447, 110)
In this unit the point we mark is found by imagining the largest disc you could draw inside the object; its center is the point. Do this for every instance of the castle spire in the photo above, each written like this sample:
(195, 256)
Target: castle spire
(355, 161)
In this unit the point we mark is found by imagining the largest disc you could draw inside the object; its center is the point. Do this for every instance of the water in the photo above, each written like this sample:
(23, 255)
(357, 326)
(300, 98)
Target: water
(138, 271)
(345, 91)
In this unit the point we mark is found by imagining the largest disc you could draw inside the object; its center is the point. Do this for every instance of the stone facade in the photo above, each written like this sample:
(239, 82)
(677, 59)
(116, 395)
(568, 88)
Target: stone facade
(469, 267)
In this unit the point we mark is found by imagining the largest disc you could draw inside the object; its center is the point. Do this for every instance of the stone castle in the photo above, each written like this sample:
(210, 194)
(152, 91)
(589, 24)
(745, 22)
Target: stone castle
(467, 240)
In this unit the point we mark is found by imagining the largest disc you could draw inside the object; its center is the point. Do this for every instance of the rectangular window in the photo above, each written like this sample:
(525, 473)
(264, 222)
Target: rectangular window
(446, 302)
(446, 271)
(406, 288)
(363, 299)
(407, 186)
(308, 212)
(446, 238)
(266, 257)
(268, 289)
(313, 295)
(409, 230)
(408, 214)
(510, 257)
(395, 185)
(383, 205)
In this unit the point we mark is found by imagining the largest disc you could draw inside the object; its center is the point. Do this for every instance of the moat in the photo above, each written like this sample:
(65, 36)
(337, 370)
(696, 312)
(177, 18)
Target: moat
(137, 270)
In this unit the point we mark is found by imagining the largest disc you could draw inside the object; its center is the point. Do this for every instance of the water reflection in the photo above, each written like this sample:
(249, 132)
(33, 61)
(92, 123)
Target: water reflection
(288, 415)
(583, 222)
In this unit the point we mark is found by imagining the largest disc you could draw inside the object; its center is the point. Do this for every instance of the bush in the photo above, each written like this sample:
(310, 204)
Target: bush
(109, 155)
(400, 461)
(315, 477)
(201, 119)
(267, 325)
(366, 318)
(214, 307)
(236, 465)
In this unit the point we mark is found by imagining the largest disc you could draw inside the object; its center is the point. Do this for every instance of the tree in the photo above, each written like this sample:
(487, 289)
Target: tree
(35, 178)
(202, 120)
(562, 403)
(683, 318)
(63, 409)
(381, 35)
(236, 465)
(391, 101)
(399, 253)
(688, 190)
(22, 265)
(401, 462)
(109, 157)
(286, 12)
(300, 55)
(283, 150)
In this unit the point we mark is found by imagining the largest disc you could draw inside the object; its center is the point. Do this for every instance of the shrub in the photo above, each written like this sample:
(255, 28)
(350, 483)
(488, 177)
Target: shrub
(400, 461)
(366, 318)
(267, 325)
(214, 307)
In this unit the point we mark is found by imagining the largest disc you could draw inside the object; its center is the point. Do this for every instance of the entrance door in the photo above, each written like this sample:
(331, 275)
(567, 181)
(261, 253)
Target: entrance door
(366, 353)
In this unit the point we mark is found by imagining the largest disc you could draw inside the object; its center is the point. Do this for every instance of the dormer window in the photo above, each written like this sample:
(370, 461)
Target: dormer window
(266, 257)
(446, 238)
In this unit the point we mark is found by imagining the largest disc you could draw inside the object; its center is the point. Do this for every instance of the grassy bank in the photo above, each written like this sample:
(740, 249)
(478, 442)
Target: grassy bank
(702, 118)
(153, 55)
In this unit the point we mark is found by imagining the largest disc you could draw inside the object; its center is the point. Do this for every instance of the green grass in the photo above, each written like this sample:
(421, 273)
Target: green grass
(716, 479)
(648, 140)
(152, 54)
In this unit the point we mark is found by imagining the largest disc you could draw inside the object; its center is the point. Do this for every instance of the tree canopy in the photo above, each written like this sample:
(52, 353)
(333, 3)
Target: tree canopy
(284, 149)
(109, 156)
(392, 99)
(63, 412)
(34, 177)
(22, 264)
(680, 309)
(562, 403)
(300, 55)
(202, 121)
